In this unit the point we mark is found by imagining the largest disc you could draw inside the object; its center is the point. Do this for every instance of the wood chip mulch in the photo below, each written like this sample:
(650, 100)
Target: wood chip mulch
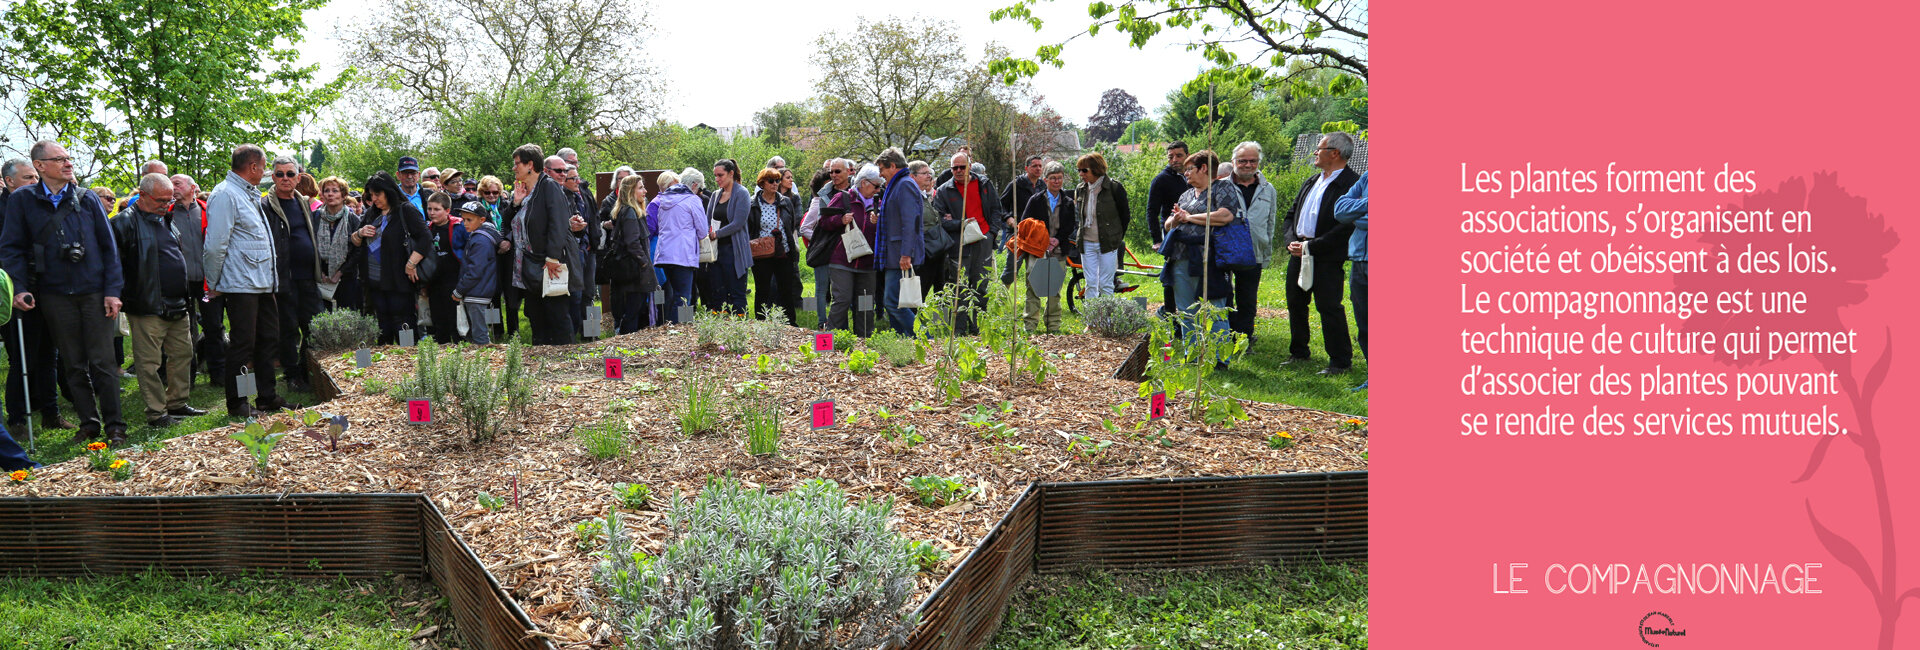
(530, 545)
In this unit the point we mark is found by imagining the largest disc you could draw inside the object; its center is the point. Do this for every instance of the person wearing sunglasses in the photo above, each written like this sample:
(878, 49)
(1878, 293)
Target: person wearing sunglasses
(155, 299)
(1102, 223)
(288, 211)
(969, 198)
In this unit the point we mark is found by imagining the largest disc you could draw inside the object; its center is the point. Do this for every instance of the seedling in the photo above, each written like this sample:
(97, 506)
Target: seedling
(939, 491)
(490, 502)
(1088, 449)
(633, 496)
(1280, 440)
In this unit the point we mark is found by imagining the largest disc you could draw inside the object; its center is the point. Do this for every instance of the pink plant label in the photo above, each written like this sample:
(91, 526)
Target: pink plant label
(419, 411)
(822, 414)
(1157, 406)
(615, 369)
(823, 342)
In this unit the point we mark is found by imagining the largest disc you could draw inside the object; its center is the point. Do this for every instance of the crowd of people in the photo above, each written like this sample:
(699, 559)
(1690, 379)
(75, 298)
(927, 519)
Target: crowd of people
(225, 283)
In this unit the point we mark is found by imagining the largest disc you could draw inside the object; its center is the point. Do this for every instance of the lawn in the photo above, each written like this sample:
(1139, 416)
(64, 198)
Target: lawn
(159, 611)
(1317, 607)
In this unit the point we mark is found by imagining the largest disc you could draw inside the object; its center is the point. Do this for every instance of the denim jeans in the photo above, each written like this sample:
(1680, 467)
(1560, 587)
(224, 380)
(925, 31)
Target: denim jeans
(900, 318)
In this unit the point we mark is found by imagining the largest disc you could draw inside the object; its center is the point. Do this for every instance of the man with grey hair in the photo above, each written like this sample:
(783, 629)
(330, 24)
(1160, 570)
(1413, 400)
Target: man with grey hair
(28, 344)
(156, 300)
(969, 198)
(1260, 202)
(776, 163)
(900, 246)
(1311, 229)
(189, 219)
(290, 213)
(56, 243)
(573, 159)
(241, 261)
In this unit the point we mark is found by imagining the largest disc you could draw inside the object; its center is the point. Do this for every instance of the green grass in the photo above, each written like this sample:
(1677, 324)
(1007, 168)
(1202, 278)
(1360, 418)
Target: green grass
(1322, 607)
(158, 611)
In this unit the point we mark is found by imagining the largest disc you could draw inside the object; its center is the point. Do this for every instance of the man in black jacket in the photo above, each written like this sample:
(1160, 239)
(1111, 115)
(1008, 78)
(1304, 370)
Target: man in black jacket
(27, 335)
(1310, 228)
(56, 244)
(156, 298)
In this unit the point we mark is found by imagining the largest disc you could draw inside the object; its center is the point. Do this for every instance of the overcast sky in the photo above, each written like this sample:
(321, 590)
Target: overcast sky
(687, 39)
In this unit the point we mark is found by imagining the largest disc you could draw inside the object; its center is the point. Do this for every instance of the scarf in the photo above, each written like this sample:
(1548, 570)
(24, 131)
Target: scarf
(332, 242)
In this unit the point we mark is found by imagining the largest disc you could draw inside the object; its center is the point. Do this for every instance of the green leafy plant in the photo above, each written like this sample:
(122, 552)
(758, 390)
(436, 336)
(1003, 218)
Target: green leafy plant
(843, 340)
(764, 364)
(859, 362)
(1185, 362)
(342, 329)
(485, 399)
(749, 569)
(900, 352)
(260, 441)
(1087, 449)
(632, 496)
(490, 502)
(99, 456)
(605, 438)
(807, 355)
(588, 535)
(621, 406)
(120, 469)
(927, 555)
(762, 419)
(907, 435)
(939, 491)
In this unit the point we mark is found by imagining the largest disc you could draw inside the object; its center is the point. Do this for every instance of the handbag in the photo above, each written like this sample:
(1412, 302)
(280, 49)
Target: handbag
(554, 286)
(936, 240)
(855, 242)
(910, 291)
(1306, 271)
(970, 232)
(710, 247)
(1233, 246)
(762, 247)
(820, 251)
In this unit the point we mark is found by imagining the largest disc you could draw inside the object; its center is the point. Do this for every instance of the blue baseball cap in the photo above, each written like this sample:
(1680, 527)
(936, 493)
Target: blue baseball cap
(408, 163)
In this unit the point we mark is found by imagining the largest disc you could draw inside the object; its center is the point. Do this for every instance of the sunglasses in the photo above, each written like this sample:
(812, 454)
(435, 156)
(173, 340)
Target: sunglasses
(959, 167)
(561, 170)
(1084, 170)
(286, 174)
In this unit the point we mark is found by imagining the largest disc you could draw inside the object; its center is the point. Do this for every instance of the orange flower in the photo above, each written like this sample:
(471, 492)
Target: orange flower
(20, 475)
(1285, 434)
(118, 464)
(96, 446)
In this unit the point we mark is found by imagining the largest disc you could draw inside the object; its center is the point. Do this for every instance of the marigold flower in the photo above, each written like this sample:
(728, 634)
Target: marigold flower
(1354, 422)
(118, 464)
(1285, 434)
(20, 475)
(96, 446)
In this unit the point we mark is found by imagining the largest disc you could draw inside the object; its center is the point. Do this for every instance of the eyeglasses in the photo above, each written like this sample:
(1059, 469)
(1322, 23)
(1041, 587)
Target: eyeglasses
(58, 161)
(433, 177)
(836, 172)
(295, 175)
(1326, 149)
(557, 170)
(1084, 170)
(1246, 161)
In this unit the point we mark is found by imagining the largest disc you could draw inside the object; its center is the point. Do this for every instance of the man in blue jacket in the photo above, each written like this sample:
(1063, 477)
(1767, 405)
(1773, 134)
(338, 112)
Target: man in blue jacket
(1352, 209)
(899, 247)
(55, 237)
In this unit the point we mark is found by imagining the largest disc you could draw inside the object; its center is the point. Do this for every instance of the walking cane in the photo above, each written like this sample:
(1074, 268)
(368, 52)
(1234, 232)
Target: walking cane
(26, 383)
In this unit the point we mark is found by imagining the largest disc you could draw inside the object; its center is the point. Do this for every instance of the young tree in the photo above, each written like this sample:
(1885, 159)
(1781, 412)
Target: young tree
(120, 82)
(776, 119)
(1118, 109)
(888, 83)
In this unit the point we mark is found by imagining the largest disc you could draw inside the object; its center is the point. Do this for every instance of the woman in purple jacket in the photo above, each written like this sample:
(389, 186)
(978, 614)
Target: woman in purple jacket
(852, 277)
(683, 223)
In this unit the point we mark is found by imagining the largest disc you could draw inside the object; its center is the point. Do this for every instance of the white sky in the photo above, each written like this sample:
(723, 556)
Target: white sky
(689, 36)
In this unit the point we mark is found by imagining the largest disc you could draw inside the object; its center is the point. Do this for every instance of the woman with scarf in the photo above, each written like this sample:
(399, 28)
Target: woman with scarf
(852, 278)
(333, 226)
(394, 236)
(683, 223)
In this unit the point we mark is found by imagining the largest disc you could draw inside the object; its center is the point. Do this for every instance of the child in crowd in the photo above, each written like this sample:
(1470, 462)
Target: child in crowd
(479, 279)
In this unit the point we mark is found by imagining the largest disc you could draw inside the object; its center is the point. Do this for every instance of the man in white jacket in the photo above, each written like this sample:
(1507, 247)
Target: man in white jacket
(240, 263)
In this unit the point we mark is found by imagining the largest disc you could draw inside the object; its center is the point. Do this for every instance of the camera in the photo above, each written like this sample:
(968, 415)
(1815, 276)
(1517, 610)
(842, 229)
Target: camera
(74, 252)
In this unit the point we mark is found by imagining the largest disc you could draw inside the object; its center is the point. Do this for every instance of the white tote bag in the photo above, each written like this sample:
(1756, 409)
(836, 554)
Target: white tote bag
(855, 242)
(710, 247)
(910, 292)
(970, 232)
(553, 286)
(1306, 271)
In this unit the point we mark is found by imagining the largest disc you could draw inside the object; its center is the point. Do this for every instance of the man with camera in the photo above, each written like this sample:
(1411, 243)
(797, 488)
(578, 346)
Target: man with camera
(156, 298)
(56, 243)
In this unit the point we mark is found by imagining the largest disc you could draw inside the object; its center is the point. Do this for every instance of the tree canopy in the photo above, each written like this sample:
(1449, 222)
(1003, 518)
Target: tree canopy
(120, 82)
(1118, 109)
(880, 86)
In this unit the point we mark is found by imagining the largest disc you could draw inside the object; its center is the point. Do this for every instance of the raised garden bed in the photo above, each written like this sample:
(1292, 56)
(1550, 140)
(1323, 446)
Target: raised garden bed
(548, 481)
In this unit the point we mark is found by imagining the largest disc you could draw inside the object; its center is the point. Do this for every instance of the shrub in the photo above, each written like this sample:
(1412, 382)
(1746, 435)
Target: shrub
(1114, 316)
(342, 329)
(725, 330)
(843, 340)
(899, 351)
(748, 569)
(485, 398)
(771, 329)
(763, 426)
(859, 362)
(604, 439)
(428, 380)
